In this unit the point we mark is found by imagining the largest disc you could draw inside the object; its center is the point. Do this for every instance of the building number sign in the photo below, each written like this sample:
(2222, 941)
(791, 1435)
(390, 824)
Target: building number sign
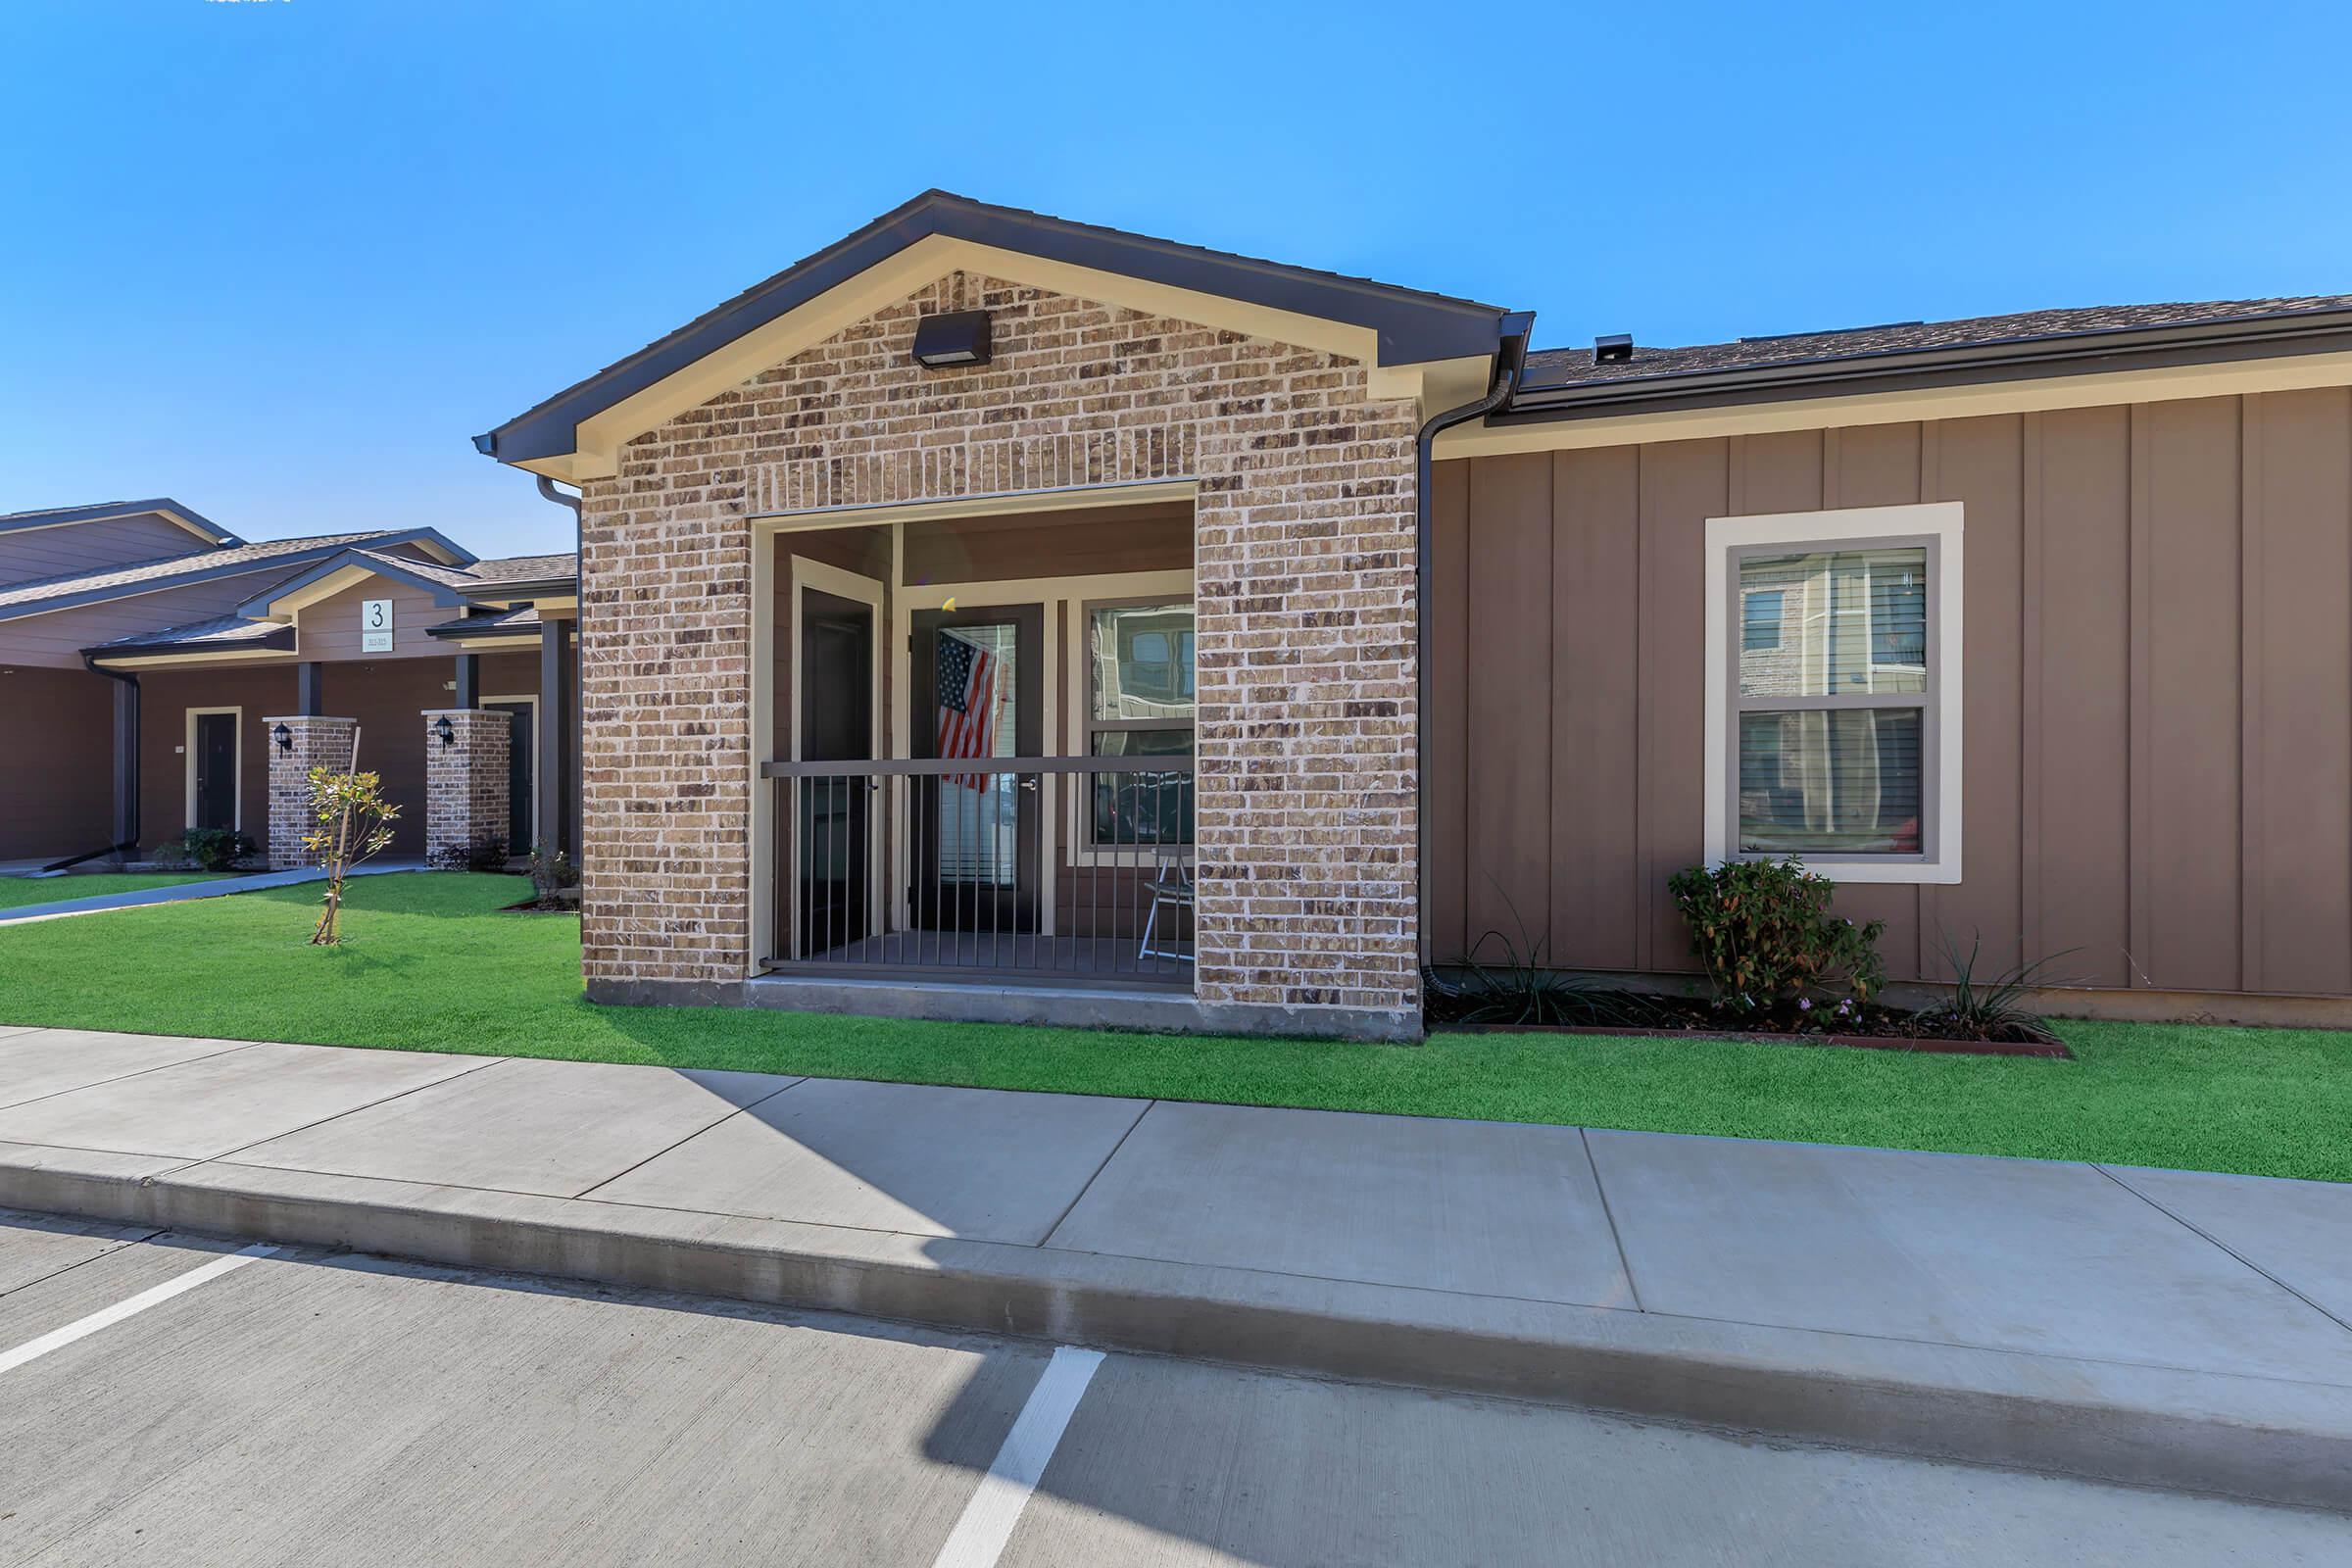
(375, 625)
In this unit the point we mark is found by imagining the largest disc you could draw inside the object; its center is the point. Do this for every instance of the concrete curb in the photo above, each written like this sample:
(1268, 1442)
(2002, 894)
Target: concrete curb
(2254, 1438)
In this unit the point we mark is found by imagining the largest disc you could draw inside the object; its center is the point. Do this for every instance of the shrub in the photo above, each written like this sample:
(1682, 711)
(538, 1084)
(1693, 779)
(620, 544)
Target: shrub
(485, 853)
(1517, 985)
(551, 872)
(208, 849)
(1763, 932)
(1991, 1007)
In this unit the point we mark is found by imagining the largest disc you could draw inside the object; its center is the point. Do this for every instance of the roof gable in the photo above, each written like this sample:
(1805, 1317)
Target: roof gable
(324, 579)
(576, 433)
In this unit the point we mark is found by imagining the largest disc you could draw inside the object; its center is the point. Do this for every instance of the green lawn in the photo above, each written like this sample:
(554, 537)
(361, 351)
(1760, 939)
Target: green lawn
(17, 892)
(431, 966)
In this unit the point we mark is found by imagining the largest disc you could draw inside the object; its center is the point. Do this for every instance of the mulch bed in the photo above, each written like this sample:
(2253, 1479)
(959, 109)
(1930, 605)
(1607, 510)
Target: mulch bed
(1685, 1018)
(1940, 1044)
(555, 905)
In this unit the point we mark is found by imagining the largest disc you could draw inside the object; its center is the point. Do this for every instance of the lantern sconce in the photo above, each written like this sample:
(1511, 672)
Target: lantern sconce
(284, 738)
(441, 727)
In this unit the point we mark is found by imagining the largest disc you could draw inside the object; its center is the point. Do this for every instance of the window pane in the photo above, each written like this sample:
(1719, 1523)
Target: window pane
(1142, 662)
(1143, 807)
(1849, 622)
(1840, 781)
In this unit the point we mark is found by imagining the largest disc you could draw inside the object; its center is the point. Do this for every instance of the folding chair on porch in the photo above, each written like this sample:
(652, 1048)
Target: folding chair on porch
(1171, 888)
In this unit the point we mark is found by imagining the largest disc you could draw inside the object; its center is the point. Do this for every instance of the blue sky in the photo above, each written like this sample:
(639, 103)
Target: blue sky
(282, 259)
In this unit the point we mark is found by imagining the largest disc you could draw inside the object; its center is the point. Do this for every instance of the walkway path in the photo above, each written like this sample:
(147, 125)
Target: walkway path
(2167, 1328)
(254, 882)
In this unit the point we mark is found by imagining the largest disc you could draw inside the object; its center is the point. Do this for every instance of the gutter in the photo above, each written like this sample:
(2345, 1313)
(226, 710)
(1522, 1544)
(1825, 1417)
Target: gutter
(133, 843)
(1511, 360)
(1903, 369)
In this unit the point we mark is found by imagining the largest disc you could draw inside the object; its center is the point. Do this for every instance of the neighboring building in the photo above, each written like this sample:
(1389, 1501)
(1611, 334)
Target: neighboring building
(153, 659)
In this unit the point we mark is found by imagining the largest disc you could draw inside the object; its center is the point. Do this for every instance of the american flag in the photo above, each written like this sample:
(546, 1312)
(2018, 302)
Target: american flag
(967, 705)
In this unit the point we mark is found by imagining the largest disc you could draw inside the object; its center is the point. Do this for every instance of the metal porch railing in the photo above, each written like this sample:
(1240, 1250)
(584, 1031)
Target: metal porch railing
(1070, 869)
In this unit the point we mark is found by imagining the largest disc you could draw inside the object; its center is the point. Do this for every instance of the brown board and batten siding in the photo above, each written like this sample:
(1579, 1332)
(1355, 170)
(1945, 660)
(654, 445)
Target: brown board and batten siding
(2158, 721)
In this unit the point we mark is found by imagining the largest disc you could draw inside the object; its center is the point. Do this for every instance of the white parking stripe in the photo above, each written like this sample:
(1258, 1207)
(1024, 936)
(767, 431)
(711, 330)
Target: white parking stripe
(83, 1327)
(979, 1537)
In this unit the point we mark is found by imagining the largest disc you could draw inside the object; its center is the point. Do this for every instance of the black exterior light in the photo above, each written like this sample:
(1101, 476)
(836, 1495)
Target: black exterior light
(958, 338)
(441, 727)
(284, 738)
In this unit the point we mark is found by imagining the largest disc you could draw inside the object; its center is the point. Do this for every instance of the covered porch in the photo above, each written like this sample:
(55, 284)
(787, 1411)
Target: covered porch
(978, 760)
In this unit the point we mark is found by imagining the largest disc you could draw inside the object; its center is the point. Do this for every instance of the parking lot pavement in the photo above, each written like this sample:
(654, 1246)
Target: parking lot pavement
(180, 1399)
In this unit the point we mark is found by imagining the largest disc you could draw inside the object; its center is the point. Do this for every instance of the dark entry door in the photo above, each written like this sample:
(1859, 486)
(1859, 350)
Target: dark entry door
(523, 760)
(215, 770)
(837, 725)
(976, 683)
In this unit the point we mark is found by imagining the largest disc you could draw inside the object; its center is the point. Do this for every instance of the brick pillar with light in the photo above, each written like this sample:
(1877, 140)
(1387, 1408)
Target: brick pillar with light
(298, 743)
(466, 759)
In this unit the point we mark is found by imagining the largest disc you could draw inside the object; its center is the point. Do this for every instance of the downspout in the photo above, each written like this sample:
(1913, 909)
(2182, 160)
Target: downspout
(580, 623)
(1510, 357)
(123, 818)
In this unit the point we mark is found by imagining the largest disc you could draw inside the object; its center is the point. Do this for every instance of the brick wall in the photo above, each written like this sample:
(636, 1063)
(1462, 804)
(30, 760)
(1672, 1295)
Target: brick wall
(466, 780)
(315, 742)
(1303, 557)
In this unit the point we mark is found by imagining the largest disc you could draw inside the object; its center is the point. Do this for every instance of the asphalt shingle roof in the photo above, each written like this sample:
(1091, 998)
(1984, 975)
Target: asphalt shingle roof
(526, 569)
(522, 618)
(222, 631)
(1548, 368)
(162, 572)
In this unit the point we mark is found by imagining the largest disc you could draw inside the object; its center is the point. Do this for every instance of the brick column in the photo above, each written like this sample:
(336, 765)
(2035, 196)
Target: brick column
(315, 742)
(466, 780)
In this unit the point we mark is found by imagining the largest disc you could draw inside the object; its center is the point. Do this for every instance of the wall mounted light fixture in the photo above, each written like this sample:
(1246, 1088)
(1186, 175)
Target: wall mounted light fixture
(284, 738)
(441, 727)
(961, 337)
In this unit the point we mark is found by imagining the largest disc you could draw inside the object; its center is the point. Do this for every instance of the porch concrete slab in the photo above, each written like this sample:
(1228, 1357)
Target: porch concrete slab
(1486, 1208)
(987, 1163)
(556, 1128)
(38, 1063)
(2009, 1254)
(2299, 1233)
(207, 1108)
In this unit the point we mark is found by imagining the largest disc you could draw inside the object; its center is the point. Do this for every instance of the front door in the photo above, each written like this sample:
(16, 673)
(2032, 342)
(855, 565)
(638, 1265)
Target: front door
(522, 762)
(837, 725)
(215, 770)
(977, 682)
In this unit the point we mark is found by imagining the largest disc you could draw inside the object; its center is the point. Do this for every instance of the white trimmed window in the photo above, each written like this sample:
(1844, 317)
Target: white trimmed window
(1833, 644)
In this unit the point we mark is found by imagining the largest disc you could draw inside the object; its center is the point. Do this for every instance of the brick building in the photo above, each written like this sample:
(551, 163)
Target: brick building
(993, 615)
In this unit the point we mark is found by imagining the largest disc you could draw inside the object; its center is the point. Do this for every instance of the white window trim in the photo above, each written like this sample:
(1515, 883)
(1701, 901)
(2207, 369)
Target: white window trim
(1938, 520)
(187, 815)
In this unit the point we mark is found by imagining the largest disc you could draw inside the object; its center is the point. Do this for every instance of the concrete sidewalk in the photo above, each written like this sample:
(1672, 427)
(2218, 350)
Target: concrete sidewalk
(2164, 1328)
(249, 882)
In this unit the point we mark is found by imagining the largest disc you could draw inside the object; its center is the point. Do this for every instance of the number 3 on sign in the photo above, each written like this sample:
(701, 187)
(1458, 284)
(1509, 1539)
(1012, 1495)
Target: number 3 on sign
(375, 625)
